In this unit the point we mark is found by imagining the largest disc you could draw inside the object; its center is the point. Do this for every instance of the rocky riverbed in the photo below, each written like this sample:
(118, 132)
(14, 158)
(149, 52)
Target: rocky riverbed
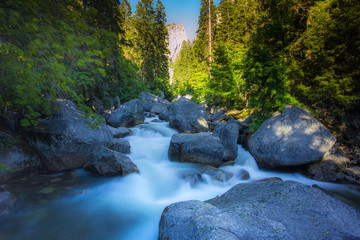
(190, 159)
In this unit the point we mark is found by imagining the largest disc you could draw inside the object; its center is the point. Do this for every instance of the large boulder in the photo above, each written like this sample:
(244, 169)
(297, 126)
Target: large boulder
(149, 100)
(334, 168)
(65, 139)
(7, 201)
(187, 116)
(262, 210)
(159, 108)
(291, 138)
(108, 163)
(16, 158)
(196, 148)
(228, 134)
(128, 115)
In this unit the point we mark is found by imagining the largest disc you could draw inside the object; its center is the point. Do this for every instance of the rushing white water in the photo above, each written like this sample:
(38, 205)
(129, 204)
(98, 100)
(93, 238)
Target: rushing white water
(130, 207)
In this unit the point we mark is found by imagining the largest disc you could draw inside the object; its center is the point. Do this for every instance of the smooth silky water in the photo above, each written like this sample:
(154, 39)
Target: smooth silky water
(79, 205)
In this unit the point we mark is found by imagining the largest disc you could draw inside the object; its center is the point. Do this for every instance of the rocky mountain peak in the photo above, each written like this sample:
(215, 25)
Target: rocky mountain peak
(177, 35)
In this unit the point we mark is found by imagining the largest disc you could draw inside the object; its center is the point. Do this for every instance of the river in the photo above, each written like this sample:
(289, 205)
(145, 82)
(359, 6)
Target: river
(79, 205)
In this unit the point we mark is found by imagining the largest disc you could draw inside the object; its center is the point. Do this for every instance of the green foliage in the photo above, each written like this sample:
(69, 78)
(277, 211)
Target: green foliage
(326, 58)
(4, 168)
(226, 87)
(271, 53)
(151, 41)
(63, 49)
(201, 44)
(267, 85)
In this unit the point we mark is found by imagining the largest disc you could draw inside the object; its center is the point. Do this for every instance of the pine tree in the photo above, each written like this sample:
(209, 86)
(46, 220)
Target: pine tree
(108, 15)
(203, 39)
(161, 43)
(144, 20)
(126, 13)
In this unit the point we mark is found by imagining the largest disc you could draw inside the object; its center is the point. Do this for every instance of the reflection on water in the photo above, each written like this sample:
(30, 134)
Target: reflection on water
(80, 205)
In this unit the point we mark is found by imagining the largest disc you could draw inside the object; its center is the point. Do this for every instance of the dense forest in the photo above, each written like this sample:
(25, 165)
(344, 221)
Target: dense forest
(257, 55)
(79, 50)
(264, 54)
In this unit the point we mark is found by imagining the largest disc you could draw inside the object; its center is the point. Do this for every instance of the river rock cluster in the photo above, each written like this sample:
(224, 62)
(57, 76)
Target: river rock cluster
(207, 138)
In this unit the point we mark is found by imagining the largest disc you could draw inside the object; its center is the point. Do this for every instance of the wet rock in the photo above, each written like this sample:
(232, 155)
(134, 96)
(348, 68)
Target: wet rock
(18, 161)
(330, 169)
(187, 116)
(65, 139)
(7, 201)
(128, 115)
(271, 179)
(228, 163)
(119, 145)
(352, 174)
(214, 173)
(149, 114)
(110, 163)
(266, 210)
(242, 174)
(191, 177)
(120, 132)
(164, 115)
(196, 148)
(46, 191)
(228, 134)
(244, 132)
(290, 139)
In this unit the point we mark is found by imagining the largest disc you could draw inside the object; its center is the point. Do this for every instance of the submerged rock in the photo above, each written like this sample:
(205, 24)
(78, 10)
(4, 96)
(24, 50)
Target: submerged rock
(196, 148)
(187, 116)
(65, 139)
(7, 201)
(128, 115)
(291, 138)
(242, 174)
(266, 210)
(110, 163)
(17, 161)
(214, 173)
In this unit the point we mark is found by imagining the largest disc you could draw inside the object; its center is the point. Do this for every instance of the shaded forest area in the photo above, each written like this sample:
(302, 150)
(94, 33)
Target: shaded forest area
(79, 50)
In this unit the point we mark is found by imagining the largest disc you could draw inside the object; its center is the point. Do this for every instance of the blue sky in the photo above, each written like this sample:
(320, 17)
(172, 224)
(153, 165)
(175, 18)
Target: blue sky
(185, 12)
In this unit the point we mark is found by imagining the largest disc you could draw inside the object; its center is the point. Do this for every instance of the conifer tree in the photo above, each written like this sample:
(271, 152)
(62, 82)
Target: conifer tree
(161, 42)
(126, 13)
(144, 20)
(202, 43)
